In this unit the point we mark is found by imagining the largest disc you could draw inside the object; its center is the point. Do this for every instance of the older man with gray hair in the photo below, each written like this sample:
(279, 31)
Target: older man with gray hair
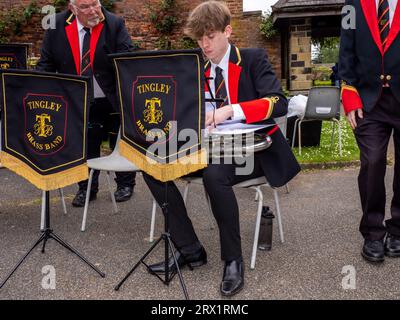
(84, 35)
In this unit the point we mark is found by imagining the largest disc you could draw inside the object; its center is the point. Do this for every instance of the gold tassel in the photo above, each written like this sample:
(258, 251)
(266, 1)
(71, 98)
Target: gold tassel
(165, 172)
(44, 182)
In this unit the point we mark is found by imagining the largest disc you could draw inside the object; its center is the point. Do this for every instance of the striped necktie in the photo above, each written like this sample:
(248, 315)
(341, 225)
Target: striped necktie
(384, 20)
(220, 87)
(86, 67)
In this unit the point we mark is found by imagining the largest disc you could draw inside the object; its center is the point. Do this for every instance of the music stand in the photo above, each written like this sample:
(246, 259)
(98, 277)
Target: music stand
(48, 233)
(166, 237)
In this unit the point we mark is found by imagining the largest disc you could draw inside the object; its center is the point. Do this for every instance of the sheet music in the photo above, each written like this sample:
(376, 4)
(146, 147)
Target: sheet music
(232, 126)
(237, 127)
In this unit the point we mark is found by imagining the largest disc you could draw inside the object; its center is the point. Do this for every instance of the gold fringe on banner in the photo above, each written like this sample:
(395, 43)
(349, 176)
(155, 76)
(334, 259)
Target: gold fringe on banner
(164, 172)
(44, 182)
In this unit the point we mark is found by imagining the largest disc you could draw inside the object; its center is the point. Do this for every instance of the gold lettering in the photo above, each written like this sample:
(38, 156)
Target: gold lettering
(32, 141)
(43, 104)
(154, 87)
(7, 59)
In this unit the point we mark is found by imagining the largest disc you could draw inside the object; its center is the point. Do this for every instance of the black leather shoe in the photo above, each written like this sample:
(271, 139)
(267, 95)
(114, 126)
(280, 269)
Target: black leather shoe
(373, 251)
(392, 246)
(123, 194)
(79, 200)
(194, 260)
(233, 279)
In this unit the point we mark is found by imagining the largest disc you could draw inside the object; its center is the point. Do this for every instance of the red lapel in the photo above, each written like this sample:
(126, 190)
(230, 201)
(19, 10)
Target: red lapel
(394, 28)
(234, 70)
(73, 38)
(207, 74)
(94, 38)
(370, 13)
(234, 75)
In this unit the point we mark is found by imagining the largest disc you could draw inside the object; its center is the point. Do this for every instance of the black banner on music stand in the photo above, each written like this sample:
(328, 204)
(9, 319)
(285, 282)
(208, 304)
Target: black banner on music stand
(13, 56)
(161, 94)
(44, 127)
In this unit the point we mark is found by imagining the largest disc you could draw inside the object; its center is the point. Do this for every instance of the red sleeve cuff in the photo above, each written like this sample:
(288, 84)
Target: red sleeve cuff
(257, 110)
(351, 99)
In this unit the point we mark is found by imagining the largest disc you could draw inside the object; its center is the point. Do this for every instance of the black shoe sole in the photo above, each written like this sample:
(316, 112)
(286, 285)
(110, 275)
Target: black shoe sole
(191, 265)
(81, 205)
(392, 254)
(123, 199)
(372, 259)
(230, 294)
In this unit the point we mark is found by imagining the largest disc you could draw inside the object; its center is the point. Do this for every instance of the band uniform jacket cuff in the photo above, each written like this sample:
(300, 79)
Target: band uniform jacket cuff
(350, 98)
(257, 110)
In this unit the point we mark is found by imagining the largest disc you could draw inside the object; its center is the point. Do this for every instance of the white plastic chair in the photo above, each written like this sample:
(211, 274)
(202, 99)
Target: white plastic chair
(111, 163)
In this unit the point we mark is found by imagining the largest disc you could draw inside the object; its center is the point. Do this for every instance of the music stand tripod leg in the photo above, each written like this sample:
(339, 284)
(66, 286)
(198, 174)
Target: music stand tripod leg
(137, 264)
(74, 251)
(168, 246)
(48, 233)
(37, 242)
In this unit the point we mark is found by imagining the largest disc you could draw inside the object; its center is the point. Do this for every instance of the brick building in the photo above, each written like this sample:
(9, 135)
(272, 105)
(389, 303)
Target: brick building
(299, 21)
(137, 17)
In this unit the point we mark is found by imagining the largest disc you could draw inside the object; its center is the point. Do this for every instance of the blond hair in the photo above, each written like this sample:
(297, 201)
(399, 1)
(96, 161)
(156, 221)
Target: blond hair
(207, 17)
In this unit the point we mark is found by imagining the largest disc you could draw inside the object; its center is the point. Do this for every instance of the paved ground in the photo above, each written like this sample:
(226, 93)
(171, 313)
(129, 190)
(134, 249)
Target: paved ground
(320, 216)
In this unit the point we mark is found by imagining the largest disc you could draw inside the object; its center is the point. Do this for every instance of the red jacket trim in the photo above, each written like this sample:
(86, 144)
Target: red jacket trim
(72, 34)
(257, 110)
(369, 8)
(234, 75)
(73, 38)
(351, 99)
(94, 38)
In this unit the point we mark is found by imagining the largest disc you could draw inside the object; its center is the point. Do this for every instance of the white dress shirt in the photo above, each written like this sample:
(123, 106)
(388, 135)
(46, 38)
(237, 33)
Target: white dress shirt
(224, 65)
(98, 93)
(392, 8)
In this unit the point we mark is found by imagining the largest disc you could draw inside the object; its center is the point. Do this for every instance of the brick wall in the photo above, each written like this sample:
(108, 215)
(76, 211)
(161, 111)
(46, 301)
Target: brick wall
(300, 55)
(136, 14)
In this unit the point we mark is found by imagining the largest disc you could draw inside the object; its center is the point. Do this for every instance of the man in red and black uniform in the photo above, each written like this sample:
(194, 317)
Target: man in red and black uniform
(252, 93)
(84, 36)
(370, 69)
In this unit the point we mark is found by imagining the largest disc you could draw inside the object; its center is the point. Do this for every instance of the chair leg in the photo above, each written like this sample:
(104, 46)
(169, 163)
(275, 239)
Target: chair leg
(153, 220)
(294, 132)
(62, 200)
(340, 137)
(85, 210)
(278, 214)
(287, 188)
(111, 192)
(300, 137)
(333, 134)
(185, 192)
(42, 215)
(210, 213)
(257, 228)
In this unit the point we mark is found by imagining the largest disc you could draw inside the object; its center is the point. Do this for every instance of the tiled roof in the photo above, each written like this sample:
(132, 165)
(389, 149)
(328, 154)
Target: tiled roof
(282, 4)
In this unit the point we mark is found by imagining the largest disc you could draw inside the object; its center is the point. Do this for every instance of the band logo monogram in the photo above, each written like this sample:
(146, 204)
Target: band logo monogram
(152, 100)
(45, 123)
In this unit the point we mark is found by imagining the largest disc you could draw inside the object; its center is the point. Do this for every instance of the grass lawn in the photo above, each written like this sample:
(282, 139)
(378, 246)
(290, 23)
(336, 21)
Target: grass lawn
(324, 153)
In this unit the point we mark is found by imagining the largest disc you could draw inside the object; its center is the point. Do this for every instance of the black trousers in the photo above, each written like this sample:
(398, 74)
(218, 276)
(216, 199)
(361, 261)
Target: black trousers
(102, 119)
(373, 133)
(218, 180)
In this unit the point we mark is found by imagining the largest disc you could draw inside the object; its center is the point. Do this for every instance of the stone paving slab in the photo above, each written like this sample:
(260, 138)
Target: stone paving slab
(320, 219)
